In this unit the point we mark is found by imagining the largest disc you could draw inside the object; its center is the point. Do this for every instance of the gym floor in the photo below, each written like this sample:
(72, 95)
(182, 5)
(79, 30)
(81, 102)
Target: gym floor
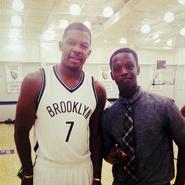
(9, 161)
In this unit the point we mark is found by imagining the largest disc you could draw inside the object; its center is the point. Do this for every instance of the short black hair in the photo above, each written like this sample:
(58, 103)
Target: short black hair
(77, 26)
(124, 50)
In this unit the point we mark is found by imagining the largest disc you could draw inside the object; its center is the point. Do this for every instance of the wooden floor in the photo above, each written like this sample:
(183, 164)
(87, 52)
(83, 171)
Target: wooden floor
(9, 162)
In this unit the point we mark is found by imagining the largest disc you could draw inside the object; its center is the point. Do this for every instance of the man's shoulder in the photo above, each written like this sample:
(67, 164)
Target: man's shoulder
(153, 97)
(99, 88)
(32, 82)
(34, 76)
(113, 107)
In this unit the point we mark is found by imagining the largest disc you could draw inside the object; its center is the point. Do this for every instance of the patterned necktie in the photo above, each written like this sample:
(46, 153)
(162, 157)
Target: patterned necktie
(129, 148)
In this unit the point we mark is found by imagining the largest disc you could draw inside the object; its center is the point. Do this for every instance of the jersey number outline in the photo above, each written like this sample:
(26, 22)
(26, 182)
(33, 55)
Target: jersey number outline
(70, 129)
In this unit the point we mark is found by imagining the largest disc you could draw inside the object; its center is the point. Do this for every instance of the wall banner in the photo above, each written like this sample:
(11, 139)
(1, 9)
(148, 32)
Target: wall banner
(13, 77)
(105, 78)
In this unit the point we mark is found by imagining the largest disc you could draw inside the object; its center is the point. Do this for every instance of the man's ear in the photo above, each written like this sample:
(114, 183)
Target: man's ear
(111, 75)
(60, 45)
(138, 70)
(88, 54)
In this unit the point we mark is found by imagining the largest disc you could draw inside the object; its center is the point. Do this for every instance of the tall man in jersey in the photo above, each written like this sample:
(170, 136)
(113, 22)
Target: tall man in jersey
(64, 104)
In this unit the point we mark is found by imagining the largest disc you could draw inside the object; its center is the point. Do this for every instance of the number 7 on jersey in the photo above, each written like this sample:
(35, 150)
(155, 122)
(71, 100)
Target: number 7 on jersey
(70, 129)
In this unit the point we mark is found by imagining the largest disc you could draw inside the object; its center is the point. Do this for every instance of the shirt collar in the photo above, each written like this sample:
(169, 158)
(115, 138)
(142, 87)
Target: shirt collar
(131, 100)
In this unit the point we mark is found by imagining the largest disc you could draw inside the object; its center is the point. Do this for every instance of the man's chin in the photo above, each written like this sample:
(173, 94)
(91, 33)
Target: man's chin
(75, 61)
(126, 84)
(74, 67)
(126, 87)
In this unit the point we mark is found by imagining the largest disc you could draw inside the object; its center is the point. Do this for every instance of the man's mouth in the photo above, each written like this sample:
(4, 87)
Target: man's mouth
(126, 79)
(75, 58)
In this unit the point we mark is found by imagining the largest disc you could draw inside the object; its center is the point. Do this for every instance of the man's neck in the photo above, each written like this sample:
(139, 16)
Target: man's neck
(129, 93)
(69, 77)
(68, 73)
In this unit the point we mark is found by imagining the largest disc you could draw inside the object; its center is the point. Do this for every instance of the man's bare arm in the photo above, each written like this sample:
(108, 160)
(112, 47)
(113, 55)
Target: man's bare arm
(96, 145)
(25, 118)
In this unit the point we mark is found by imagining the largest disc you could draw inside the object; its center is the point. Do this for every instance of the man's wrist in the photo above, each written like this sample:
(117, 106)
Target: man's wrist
(23, 175)
(27, 176)
(97, 179)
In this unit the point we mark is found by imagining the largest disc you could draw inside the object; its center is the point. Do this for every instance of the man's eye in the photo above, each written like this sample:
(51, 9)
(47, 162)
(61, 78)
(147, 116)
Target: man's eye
(70, 42)
(129, 66)
(84, 46)
(116, 69)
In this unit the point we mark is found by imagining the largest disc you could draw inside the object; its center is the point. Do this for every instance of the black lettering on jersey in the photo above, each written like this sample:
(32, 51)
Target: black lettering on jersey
(51, 113)
(64, 107)
(85, 109)
(69, 106)
(75, 104)
(88, 114)
(56, 108)
(79, 109)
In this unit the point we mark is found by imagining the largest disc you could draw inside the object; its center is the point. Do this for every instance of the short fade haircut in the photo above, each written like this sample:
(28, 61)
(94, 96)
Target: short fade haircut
(77, 26)
(124, 50)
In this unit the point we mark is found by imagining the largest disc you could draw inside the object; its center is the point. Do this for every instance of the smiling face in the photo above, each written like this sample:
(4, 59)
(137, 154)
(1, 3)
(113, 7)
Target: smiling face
(75, 48)
(124, 70)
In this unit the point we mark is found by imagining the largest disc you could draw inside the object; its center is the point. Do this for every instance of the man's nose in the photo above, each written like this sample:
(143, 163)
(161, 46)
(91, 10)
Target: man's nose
(124, 71)
(77, 48)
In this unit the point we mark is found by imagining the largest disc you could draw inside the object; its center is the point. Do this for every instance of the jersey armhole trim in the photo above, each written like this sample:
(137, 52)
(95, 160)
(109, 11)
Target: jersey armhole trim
(94, 89)
(43, 84)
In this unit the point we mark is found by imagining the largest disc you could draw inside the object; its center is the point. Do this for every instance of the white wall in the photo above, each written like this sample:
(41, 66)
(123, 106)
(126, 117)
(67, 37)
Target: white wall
(49, 53)
(8, 111)
(34, 55)
(151, 56)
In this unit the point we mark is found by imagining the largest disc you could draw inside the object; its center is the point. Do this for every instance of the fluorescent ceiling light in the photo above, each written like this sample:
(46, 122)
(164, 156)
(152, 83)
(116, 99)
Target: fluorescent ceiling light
(181, 2)
(116, 18)
(108, 11)
(87, 23)
(63, 23)
(74, 9)
(17, 5)
(157, 41)
(169, 17)
(123, 40)
(182, 31)
(16, 21)
(145, 28)
(155, 36)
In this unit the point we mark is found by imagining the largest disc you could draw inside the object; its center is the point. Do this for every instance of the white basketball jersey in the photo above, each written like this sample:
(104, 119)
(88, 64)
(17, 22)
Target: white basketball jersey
(62, 124)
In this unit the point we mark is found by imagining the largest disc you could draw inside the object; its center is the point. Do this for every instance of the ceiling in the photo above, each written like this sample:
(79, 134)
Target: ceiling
(129, 16)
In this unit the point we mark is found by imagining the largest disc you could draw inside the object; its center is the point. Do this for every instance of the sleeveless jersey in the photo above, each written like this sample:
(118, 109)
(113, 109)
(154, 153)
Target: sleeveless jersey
(62, 124)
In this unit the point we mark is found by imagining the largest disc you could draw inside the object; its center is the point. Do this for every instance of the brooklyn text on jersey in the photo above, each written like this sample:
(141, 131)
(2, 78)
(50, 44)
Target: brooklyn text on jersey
(69, 106)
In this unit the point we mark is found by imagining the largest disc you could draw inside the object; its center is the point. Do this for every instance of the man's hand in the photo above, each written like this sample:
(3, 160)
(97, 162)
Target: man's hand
(27, 181)
(96, 182)
(115, 155)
